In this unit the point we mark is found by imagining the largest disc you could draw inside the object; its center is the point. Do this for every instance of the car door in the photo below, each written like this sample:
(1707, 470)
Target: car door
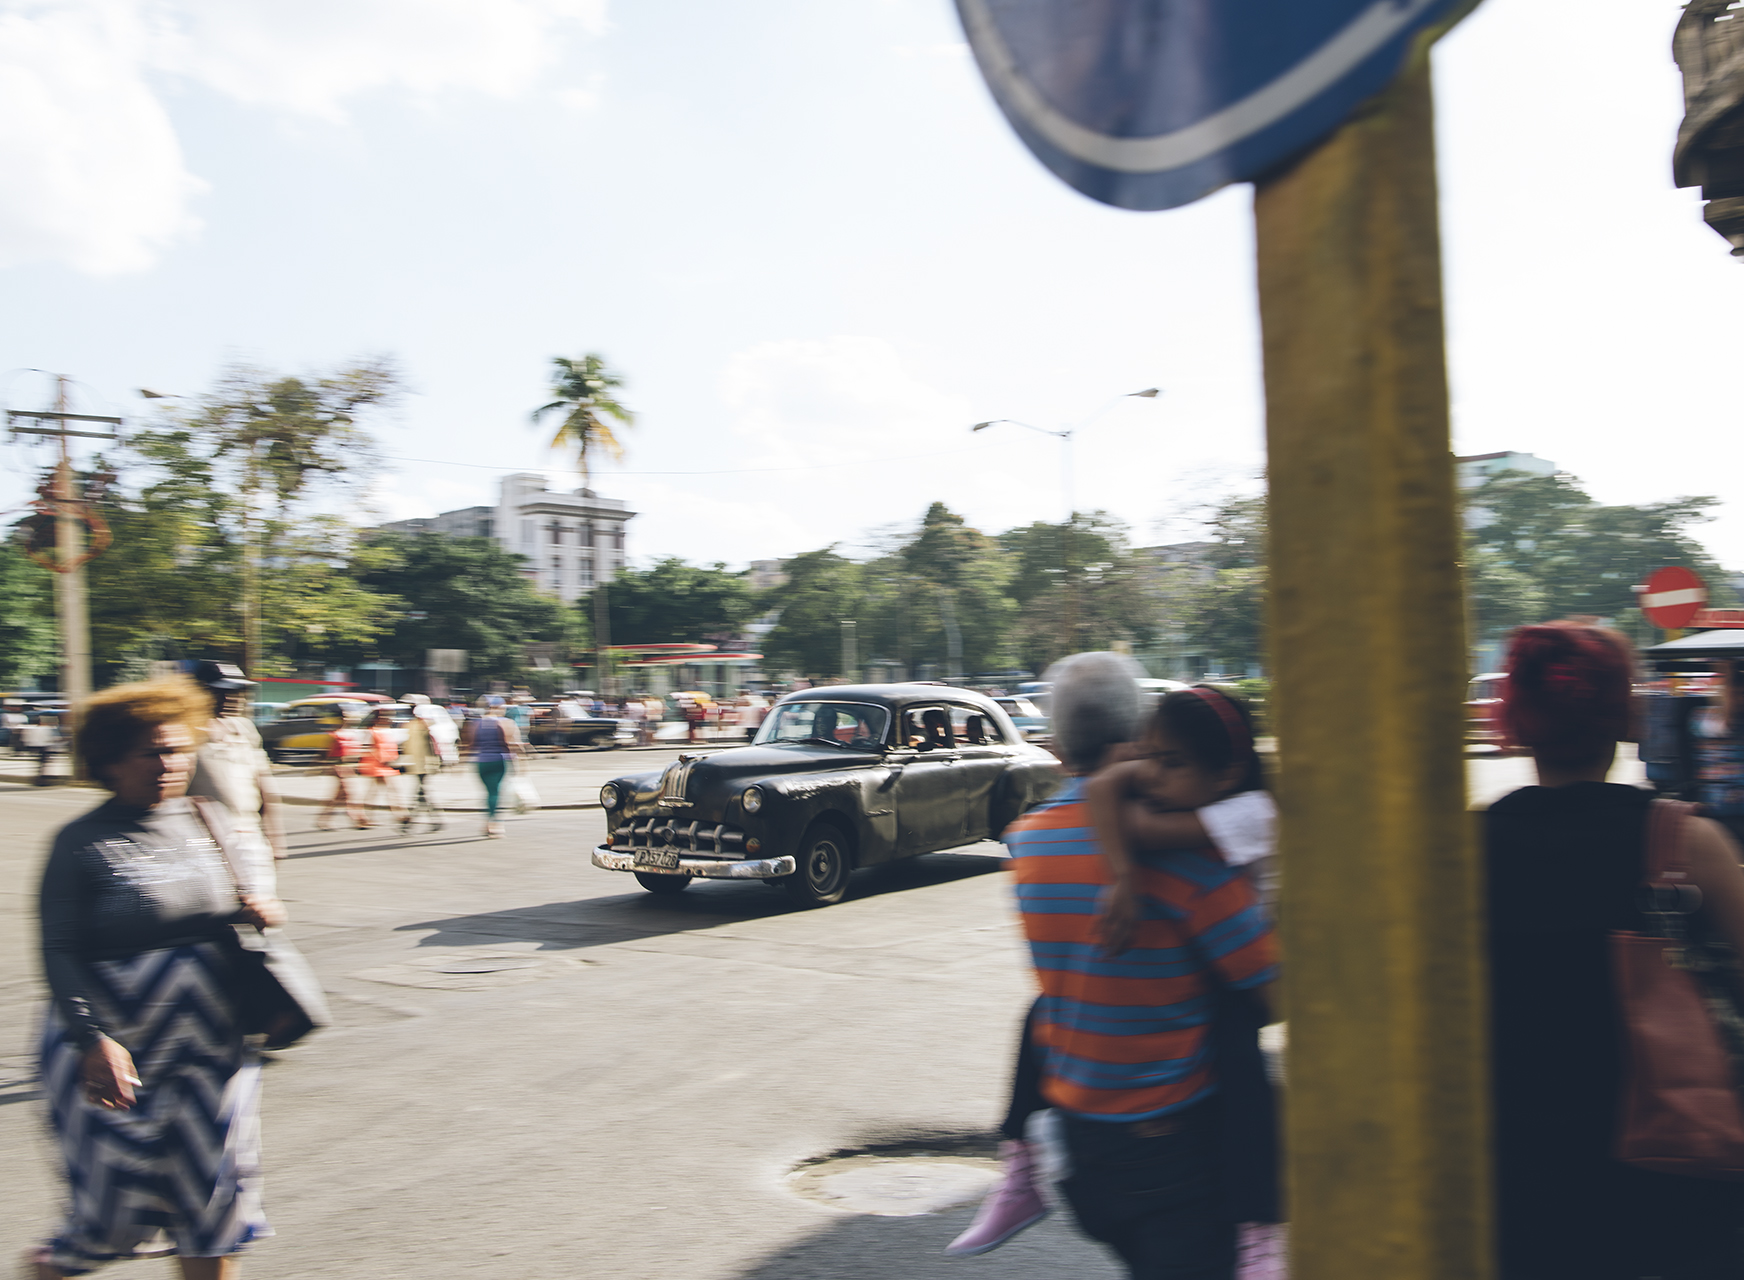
(982, 756)
(930, 805)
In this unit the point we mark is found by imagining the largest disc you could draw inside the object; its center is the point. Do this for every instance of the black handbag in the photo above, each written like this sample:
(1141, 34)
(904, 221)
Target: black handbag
(276, 993)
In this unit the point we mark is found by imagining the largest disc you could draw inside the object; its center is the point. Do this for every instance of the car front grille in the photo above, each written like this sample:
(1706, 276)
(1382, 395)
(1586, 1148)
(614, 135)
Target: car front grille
(660, 832)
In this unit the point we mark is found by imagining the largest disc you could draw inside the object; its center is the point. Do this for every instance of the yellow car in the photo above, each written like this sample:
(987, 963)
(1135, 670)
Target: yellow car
(303, 730)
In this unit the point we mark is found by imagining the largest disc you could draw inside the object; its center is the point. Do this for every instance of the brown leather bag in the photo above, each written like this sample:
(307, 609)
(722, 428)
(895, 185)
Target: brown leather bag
(1680, 1107)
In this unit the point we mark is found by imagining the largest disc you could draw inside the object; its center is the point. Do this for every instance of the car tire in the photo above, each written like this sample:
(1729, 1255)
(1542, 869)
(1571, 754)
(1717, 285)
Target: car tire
(665, 886)
(824, 867)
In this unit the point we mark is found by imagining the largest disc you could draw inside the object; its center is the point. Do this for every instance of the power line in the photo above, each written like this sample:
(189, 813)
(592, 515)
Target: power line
(722, 471)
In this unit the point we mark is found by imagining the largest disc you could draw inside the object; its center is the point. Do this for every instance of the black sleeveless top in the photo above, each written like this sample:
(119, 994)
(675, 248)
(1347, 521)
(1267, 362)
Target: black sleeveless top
(1564, 864)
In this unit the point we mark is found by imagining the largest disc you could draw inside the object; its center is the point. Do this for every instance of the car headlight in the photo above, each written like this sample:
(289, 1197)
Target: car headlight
(752, 799)
(609, 797)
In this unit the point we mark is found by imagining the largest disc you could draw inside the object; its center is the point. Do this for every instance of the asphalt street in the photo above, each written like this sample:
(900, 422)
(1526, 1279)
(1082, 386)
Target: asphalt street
(539, 1069)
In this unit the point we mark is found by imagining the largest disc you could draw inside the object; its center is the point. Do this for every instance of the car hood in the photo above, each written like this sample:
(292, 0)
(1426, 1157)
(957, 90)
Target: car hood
(718, 774)
(769, 762)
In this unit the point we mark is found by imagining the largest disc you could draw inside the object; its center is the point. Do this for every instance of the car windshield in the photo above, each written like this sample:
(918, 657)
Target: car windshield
(857, 726)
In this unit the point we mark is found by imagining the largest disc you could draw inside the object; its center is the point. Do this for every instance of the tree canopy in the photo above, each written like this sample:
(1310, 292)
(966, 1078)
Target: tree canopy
(674, 601)
(463, 593)
(1539, 547)
(584, 391)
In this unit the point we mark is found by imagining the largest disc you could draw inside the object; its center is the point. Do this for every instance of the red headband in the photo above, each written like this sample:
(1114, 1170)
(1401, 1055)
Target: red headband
(1240, 739)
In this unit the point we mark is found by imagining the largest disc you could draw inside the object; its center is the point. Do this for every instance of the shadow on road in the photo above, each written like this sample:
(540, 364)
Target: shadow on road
(870, 1248)
(707, 904)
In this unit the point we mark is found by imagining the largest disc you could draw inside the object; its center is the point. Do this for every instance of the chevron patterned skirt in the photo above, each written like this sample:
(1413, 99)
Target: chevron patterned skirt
(180, 1171)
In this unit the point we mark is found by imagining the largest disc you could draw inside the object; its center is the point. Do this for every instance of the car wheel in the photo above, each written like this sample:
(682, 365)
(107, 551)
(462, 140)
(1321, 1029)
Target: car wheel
(822, 877)
(665, 886)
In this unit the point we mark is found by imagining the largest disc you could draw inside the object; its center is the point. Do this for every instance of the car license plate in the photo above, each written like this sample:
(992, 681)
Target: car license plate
(667, 858)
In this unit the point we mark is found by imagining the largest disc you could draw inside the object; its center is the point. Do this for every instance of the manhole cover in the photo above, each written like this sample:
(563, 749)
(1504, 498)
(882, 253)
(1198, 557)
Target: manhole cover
(896, 1186)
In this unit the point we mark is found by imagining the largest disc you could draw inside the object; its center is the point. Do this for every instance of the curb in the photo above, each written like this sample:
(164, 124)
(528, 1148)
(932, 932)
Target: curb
(455, 808)
(28, 779)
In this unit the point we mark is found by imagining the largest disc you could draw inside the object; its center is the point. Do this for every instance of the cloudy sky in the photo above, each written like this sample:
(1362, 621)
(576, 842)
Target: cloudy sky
(814, 249)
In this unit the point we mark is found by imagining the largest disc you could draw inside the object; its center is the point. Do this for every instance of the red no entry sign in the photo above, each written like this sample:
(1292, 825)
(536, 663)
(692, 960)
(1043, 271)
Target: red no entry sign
(1673, 597)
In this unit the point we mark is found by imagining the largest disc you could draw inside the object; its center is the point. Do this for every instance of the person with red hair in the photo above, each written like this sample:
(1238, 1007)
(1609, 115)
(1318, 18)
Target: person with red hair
(1565, 860)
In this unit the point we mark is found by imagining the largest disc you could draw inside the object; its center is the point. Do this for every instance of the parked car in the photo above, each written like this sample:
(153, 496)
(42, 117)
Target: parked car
(551, 728)
(837, 778)
(302, 731)
(1483, 702)
(1028, 717)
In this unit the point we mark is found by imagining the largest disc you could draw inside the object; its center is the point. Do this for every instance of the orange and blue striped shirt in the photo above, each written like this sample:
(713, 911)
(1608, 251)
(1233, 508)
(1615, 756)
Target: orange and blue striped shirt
(1124, 1038)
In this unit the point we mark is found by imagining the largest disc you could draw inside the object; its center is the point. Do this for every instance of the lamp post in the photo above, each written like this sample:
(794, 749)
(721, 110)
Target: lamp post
(1065, 436)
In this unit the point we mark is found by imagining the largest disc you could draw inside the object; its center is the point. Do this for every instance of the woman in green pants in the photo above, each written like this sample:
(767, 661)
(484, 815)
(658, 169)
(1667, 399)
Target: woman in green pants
(493, 742)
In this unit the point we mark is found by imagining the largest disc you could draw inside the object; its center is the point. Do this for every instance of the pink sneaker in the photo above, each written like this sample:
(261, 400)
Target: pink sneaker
(1010, 1207)
(1262, 1251)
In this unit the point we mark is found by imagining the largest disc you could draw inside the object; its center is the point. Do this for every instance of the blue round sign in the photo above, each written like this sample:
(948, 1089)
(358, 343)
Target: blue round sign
(1151, 104)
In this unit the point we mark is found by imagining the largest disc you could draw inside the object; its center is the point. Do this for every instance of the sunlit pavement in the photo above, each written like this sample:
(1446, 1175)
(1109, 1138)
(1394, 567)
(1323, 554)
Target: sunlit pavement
(539, 1067)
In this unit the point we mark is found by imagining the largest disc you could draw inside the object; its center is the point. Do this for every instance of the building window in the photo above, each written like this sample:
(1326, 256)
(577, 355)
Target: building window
(586, 566)
(556, 531)
(585, 532)
(484, 527)
(618, 537)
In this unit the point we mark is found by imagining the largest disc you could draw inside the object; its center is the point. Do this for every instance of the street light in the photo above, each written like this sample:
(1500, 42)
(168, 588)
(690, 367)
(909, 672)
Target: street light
(1064, 436)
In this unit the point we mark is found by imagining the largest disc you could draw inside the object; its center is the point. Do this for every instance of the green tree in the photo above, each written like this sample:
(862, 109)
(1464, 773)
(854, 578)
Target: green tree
(676, 602)
(1236, 531)
(464, 593)
(218, 511)
(1227, 619)
(1499, 595)
(1211, 599)
(277, 437)
(1580, 557)
(953, 600)
(1115, 602)
(28, 646)
(1040, 551)
(822, 589)
(584, 392)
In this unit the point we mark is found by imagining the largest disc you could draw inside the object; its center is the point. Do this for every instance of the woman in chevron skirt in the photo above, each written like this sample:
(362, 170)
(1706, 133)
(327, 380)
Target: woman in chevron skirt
(153, 1093)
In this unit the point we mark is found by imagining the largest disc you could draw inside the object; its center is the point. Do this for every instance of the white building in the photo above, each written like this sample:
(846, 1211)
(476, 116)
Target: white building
(571, 540)
(1476, 468)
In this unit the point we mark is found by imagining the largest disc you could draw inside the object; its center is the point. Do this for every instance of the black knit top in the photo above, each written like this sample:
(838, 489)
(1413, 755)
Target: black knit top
(123, 880)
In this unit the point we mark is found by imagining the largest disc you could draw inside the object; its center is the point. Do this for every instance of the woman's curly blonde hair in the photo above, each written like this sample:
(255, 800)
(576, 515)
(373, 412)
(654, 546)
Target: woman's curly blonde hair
(113, 722)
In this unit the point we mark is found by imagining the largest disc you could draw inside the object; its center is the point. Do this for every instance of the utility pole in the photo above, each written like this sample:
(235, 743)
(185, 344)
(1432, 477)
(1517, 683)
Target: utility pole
(602, 638)
(71, 520)
(850, 650)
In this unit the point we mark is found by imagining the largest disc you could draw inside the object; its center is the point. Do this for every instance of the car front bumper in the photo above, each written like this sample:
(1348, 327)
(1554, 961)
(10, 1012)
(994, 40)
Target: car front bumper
(709, 868)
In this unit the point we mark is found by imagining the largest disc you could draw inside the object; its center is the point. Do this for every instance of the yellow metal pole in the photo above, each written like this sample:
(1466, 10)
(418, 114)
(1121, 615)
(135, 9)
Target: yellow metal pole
(1388, 1115)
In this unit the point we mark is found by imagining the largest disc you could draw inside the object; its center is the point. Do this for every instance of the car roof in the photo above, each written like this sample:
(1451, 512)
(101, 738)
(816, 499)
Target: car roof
(895, 696)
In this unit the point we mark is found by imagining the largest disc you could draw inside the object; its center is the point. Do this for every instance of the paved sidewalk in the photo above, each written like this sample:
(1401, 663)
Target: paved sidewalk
(564, 780)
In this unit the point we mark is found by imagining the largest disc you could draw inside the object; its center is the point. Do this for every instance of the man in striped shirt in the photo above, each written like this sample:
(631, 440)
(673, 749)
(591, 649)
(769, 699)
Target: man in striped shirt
(1123, 1040)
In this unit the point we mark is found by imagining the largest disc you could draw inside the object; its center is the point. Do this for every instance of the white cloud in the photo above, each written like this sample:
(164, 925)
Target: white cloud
(312, 56)
(95, 174)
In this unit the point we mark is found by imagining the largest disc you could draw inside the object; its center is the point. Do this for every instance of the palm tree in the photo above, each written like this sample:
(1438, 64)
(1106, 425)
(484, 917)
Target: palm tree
(583, 391)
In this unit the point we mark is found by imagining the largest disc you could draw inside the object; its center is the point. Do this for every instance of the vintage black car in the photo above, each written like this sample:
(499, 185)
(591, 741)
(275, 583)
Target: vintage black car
(550, 728)
(837, 778)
